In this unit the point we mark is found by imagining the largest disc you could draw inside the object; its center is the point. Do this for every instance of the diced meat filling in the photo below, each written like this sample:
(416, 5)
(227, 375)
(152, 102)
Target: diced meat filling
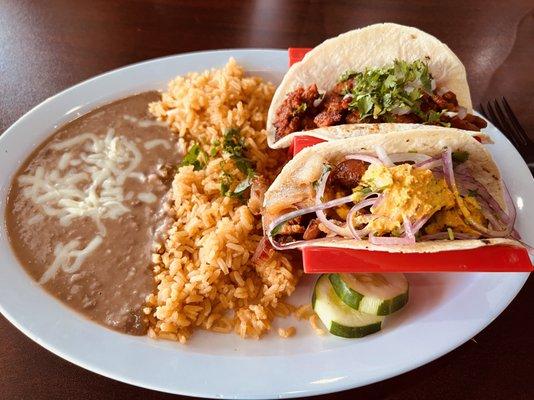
(347, 174)
(344, 177)
(312, 231)
(305, 109)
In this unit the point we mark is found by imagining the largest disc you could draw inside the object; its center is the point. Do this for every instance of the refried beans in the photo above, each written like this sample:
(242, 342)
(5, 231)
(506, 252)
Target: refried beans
(84, 207)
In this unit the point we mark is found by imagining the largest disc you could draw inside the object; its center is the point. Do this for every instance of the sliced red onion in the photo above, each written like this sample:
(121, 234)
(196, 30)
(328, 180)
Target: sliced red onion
(445, 235)
(383, 156)
(462, 112)
(262, 250)
(364, 157)
(408, 231)
(357, 234)
(413, 157)
(293, 245)
(341, 231)
(419, 224)
(467, 181)
(307, 210)
(512, 213)
(448, 171)
(379, 200)
(390, 241)
(430, 163)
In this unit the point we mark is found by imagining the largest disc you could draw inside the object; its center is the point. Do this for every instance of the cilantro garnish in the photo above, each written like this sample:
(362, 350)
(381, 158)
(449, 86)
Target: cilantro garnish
(277, 229)
(195, 157)
(300, 109)
(460, 156)
(378, 91)
(214, 148)
(326, 168)
(234, 145)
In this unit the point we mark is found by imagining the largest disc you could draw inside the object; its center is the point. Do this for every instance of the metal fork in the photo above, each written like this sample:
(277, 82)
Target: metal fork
(501, 115)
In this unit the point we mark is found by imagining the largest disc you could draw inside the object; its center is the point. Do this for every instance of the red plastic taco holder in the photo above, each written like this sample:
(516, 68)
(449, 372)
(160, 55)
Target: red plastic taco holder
(327, 259)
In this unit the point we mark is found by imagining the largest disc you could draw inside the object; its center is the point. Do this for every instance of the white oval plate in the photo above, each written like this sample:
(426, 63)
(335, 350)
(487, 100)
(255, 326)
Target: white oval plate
(444, 311)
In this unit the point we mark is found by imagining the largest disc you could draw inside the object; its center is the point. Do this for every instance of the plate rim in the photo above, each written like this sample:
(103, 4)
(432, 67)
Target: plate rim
(343, 384)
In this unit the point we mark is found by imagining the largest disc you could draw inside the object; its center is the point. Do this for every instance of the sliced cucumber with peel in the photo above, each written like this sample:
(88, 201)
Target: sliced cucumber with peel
(377, 294)
(340, 319)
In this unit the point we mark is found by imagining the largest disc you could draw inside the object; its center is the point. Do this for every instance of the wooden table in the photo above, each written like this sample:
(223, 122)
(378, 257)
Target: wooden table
(47, 46)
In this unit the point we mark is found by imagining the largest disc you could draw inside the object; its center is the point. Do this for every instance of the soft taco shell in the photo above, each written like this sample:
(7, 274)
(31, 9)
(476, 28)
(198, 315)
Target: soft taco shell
(373, 46)
(352, 130)
(293, 188)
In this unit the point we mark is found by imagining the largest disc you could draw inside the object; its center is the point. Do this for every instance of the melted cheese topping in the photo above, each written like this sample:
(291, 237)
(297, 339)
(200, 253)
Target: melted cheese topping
(88, 186)
(143, 123)
(92, 186)
(157, 142)
(69, 258)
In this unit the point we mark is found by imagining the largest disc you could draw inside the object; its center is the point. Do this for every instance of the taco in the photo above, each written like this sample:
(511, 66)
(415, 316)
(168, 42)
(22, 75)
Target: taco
(413, 191)
(383, 77)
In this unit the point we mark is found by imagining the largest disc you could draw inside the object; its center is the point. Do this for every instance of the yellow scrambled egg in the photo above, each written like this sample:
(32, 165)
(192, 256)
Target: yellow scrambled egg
(455, 220)
(414, 193)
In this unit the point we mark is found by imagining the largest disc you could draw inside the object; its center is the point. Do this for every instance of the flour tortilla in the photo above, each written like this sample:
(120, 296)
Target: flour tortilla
(293, 188)
(373, 46)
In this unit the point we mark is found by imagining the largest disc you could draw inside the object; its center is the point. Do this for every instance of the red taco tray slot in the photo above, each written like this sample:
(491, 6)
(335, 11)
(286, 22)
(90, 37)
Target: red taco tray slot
(484, 259)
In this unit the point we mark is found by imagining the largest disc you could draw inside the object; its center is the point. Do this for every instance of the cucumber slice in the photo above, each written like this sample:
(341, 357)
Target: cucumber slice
(377, 294)
(340, 319)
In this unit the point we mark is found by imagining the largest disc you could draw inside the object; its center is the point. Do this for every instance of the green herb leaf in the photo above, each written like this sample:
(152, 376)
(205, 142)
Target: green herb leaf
(243, 185)
(300, 109)
(226, 181)
(233, 143)
(460, 156)
(326, 168)
(378, 91)
(277, 229)
(433, 117)
(195, 157)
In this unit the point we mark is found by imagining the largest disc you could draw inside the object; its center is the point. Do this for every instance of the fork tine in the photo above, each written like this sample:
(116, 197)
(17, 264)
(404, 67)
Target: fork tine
(515, 122)
(483, 111)
(497, 118)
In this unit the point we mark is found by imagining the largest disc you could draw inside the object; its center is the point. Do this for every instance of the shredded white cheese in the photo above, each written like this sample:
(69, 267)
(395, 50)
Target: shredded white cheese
(69, 258)
(94, 189)
(146, 197)
(157, 142)
(143, 123)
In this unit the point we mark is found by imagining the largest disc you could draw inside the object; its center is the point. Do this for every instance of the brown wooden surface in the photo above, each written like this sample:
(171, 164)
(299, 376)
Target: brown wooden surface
(47, 46)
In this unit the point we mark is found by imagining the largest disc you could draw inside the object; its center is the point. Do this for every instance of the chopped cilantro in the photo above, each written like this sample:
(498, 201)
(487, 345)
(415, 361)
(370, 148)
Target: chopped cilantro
(226, 181)
(277, 229)
(326, 168)
(242, 186)
(460, 156)
(433, 117)
(234, 146)
(214, 148)
(378, 91)
(195, 157)
(300, 109)
(233, 143)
